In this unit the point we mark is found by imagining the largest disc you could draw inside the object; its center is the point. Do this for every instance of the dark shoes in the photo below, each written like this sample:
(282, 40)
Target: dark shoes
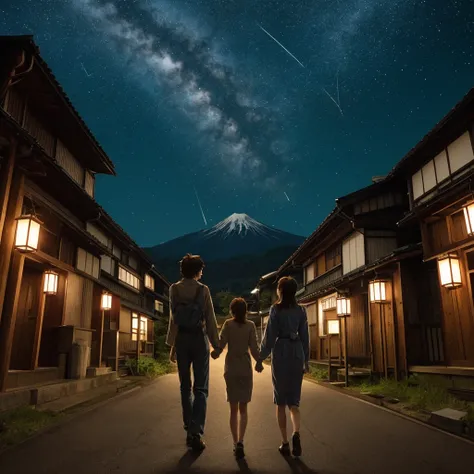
(285, 449)
(197, 444)
(189, 440)
(296, 441)
(239, 451)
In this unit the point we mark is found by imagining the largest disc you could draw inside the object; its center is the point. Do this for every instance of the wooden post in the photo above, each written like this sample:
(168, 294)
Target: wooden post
(346, 362)
(329, 356)
(39, 327)
(371, 331)
(6, 176)
(7, 325)
(384, 339)
(14, 206)
(101, 337)
(117, 336)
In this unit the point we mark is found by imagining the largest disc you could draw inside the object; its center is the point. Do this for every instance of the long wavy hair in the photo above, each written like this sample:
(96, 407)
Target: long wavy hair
(286, 291)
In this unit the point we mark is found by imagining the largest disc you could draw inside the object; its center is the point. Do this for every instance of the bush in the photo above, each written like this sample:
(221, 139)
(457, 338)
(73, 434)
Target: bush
(148, 367)
(318, 373)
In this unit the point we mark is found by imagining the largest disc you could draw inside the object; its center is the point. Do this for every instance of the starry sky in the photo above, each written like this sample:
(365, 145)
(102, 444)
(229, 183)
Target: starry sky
(272, 108)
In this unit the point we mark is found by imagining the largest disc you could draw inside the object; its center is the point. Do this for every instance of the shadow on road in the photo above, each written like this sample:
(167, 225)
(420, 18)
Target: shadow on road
(297, 466)
(185, 463)
(243, 466)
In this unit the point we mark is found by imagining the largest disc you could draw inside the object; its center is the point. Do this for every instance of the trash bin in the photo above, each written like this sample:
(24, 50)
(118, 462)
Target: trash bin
(79, 359)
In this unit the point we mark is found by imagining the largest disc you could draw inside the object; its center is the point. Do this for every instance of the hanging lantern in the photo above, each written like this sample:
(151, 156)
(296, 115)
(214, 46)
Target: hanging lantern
(106, 301)
(469, 218)
(50, 282)
(333, 326)
(343, 306)
(450, 271)
(377, 291)
(27, 233)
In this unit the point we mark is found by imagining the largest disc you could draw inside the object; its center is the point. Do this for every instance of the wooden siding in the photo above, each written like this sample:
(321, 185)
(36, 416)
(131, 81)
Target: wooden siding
(97, 233)
(15, 104)
(88, 263)
(322, 281)
(458, 320)
(376, 203)
(36, 129)
(353, 252)
(89, 183)
(357, 327)
(78, 305)
(378, 247)
(125, 320)
(69, 163)
(436, 237)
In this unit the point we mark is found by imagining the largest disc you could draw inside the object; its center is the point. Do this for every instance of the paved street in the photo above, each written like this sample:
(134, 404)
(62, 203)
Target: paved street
(142, 433)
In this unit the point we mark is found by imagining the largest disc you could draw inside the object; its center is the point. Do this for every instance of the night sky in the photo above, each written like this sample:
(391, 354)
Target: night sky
(196, 93)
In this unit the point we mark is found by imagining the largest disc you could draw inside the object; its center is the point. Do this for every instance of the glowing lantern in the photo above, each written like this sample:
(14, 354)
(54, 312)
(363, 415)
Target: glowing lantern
(27, 233)
(333, 326)
(377, 291)
(469, 218)
(343, 306)
(450, 271)
(50, 282)
(106, 301)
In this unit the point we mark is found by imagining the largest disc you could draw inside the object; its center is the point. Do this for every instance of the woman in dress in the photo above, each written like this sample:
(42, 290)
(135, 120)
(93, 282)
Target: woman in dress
(240, 335)
(287, 339)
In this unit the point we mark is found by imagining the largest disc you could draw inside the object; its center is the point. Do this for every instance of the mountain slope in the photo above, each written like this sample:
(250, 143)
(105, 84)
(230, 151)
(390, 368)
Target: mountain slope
(236, 251)
(237, 235)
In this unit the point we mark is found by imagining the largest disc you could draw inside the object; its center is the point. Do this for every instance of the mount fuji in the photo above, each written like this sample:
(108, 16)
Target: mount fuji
(236, 251)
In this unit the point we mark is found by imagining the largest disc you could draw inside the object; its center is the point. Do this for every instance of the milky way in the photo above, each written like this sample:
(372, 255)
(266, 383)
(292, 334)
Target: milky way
(192, 93)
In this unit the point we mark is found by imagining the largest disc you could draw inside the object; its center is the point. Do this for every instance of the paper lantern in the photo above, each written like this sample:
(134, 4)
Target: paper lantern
(106, 301)
(378, 291)
(343, 306)
(27, 233)
(50, 282)
(450, 271)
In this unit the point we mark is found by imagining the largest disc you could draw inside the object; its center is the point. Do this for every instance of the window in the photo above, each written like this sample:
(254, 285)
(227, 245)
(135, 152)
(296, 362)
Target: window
(309, 273)
(89, 183)
(149, 282)
(97, 233)
(133, 262)
(353, 253)
(333, 257)
(139, 326)
(117, 252)
(129, 278)
(325, 305)
(458, 154)
(107, 264)
(158, 306)
(87, 263)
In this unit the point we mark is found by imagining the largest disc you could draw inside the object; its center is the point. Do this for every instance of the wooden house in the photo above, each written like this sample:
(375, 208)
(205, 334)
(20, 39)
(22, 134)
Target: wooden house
(359, 243)
(439, 172)
(76, 293)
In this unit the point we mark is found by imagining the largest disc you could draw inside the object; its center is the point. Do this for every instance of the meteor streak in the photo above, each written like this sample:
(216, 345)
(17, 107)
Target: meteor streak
(277, 42)
(286, 196)
(200, 207)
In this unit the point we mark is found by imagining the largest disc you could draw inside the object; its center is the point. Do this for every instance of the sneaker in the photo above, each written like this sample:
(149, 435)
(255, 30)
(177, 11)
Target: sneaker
(189, 440)
(197, 444)
(285, 449)
(239, 450)
(296, 441)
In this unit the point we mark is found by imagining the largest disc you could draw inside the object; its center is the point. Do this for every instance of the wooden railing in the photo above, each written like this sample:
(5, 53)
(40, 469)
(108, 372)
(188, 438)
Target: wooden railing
(322, 281)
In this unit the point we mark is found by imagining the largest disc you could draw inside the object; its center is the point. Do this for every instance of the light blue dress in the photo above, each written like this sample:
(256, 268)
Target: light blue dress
(287, 339)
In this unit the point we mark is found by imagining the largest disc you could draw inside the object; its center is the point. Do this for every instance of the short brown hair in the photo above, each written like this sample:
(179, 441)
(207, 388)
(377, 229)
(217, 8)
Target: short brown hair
(287, 287)
(191, 265)
(238, 309)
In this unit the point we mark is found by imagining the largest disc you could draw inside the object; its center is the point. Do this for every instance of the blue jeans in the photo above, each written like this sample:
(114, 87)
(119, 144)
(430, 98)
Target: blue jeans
(193, 350)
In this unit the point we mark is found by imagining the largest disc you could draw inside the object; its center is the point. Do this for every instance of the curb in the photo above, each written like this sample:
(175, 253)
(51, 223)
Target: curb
(380, 404)
(81, 409)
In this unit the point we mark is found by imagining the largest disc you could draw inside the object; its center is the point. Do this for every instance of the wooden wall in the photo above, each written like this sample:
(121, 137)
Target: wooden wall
(357, 326)
(78, 305)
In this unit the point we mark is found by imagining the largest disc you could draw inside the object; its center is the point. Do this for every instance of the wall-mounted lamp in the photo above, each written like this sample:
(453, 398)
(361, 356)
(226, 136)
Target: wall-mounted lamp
(378, 291)
(450, 271)
(27, 233)
(50, 286)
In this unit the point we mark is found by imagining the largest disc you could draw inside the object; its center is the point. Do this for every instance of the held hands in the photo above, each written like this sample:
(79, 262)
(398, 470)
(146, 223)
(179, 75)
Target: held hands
(215, 354)
(259, 367)
(306, 368)
(173, 355)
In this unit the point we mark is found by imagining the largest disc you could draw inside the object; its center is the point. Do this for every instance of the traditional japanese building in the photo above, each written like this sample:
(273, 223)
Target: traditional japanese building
(77, 294)
(439, 172)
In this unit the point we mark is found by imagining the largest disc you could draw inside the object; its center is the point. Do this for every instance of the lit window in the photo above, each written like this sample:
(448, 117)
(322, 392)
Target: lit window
(137, 321)
(158, 306)
(149, 282)
(134, 326)
(129, 278)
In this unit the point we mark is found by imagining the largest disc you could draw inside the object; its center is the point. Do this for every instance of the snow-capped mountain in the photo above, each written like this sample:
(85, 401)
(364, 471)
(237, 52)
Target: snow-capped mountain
(234, 236)
(236, 251)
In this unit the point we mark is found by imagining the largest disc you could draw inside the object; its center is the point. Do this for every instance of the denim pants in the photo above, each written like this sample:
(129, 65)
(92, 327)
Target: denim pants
(192, 350)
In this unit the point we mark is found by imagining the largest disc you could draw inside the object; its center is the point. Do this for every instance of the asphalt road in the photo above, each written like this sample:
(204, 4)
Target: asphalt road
(142, 433)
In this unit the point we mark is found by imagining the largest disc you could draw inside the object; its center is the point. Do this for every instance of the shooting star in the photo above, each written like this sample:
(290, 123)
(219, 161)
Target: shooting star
(277, 42)
(286, 196)
(338, 101)
(84, 69)
(200, 207)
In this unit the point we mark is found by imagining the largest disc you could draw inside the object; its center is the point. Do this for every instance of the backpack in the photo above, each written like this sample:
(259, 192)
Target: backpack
(189, 316)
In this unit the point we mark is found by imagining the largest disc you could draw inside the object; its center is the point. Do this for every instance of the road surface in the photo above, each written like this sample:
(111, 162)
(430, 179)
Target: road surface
(142, 433)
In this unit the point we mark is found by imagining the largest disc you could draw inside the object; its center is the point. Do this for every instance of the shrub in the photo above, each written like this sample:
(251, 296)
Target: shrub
(148, 367)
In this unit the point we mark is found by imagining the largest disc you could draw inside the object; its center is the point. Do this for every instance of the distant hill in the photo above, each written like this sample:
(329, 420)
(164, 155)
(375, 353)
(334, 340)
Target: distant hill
(236, 251)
